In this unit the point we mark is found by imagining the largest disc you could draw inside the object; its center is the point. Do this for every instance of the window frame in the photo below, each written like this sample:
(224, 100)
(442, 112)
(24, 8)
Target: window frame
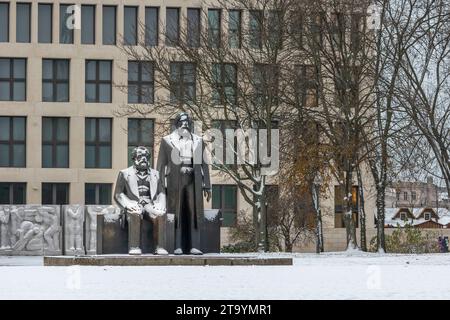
(8, 20)
(114, 42)
(223, 125)
(97, 82)
(181, 84)
(193, 32)
(306, 84)
(403, 216)
(12, 186)
(256, 32)
(97, 143)
(221, 86)
(19, 21)
(62, 22)
(168, 41)
(97, 193)
(127, 27)
(12, 80)
(11, 142)
(212, 41)
(54, 142)
(222, 208)
(54, 186)
(140, 83)
(94, 23)
(55, 81)
(239, 30)
(46, 5)
(147, 30)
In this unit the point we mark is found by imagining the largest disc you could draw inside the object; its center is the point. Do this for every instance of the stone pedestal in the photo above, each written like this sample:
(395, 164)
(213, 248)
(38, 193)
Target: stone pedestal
(92, 234)
(113, 239)
(171, 260)
(210, 231)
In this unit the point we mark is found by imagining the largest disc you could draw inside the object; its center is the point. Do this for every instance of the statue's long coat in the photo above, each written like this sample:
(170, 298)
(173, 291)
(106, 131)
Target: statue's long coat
(169, 166)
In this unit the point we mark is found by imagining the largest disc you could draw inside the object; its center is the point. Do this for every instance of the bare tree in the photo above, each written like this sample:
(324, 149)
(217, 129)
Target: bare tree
(339, 46)
(403, 28)
(424, 89)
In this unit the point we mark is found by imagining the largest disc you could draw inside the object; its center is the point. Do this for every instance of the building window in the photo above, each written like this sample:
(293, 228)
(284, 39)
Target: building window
(23, 22)
(225, 151)
(234, 28)
(427, 216)
(55, 80)
(151, 26)
(13, 193)
(13, 79)
(182, 82)
(405, 196)
(45, 18)
(193, 27)
(172, 27)
(140, 82)
(307, 88)
(98, 143)
(214, 27)
(109, 25)
(55, 142)
(97, 193)
(413, 195)
(140, 133)
(265, 83)
(87, 24)
(224, 197)
(225, 83)
(12, 141)
(403, 216)
(275, 29)
(256, 28)
(55, 193)
(65, 33)
(4, 22)
(130, 26)
(98, 81)
(398, 195)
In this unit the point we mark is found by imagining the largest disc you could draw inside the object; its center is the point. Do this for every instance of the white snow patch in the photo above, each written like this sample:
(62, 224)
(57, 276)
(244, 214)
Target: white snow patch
(211, 214)
(337, 275)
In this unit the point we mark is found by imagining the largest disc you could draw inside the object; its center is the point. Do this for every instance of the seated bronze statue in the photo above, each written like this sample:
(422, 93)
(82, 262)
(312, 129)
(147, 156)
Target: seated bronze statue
(140, 195)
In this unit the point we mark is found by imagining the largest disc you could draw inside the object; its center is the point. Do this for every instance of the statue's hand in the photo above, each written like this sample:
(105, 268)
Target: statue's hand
(207, 193)
(134, 209)
(155, 210)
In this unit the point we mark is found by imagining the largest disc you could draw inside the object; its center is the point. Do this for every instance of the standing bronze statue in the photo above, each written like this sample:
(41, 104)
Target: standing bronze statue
(186, 178)
(140, 195)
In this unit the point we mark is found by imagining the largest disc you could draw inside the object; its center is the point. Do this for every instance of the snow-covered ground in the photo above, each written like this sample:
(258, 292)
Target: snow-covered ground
(325, 276)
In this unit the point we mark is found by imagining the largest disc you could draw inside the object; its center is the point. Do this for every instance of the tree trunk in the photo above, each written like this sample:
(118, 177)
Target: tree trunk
(319, 231)
(362, 213)
(288, 245)
(350, 229)
(260, 219)
(381, 244)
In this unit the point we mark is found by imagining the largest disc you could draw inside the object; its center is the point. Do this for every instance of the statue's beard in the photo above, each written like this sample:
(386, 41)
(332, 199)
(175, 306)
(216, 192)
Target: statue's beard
(141, 166)
(184, 132)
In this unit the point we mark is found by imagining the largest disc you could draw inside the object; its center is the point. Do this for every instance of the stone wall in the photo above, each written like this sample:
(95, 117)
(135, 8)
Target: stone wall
(74, 230)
